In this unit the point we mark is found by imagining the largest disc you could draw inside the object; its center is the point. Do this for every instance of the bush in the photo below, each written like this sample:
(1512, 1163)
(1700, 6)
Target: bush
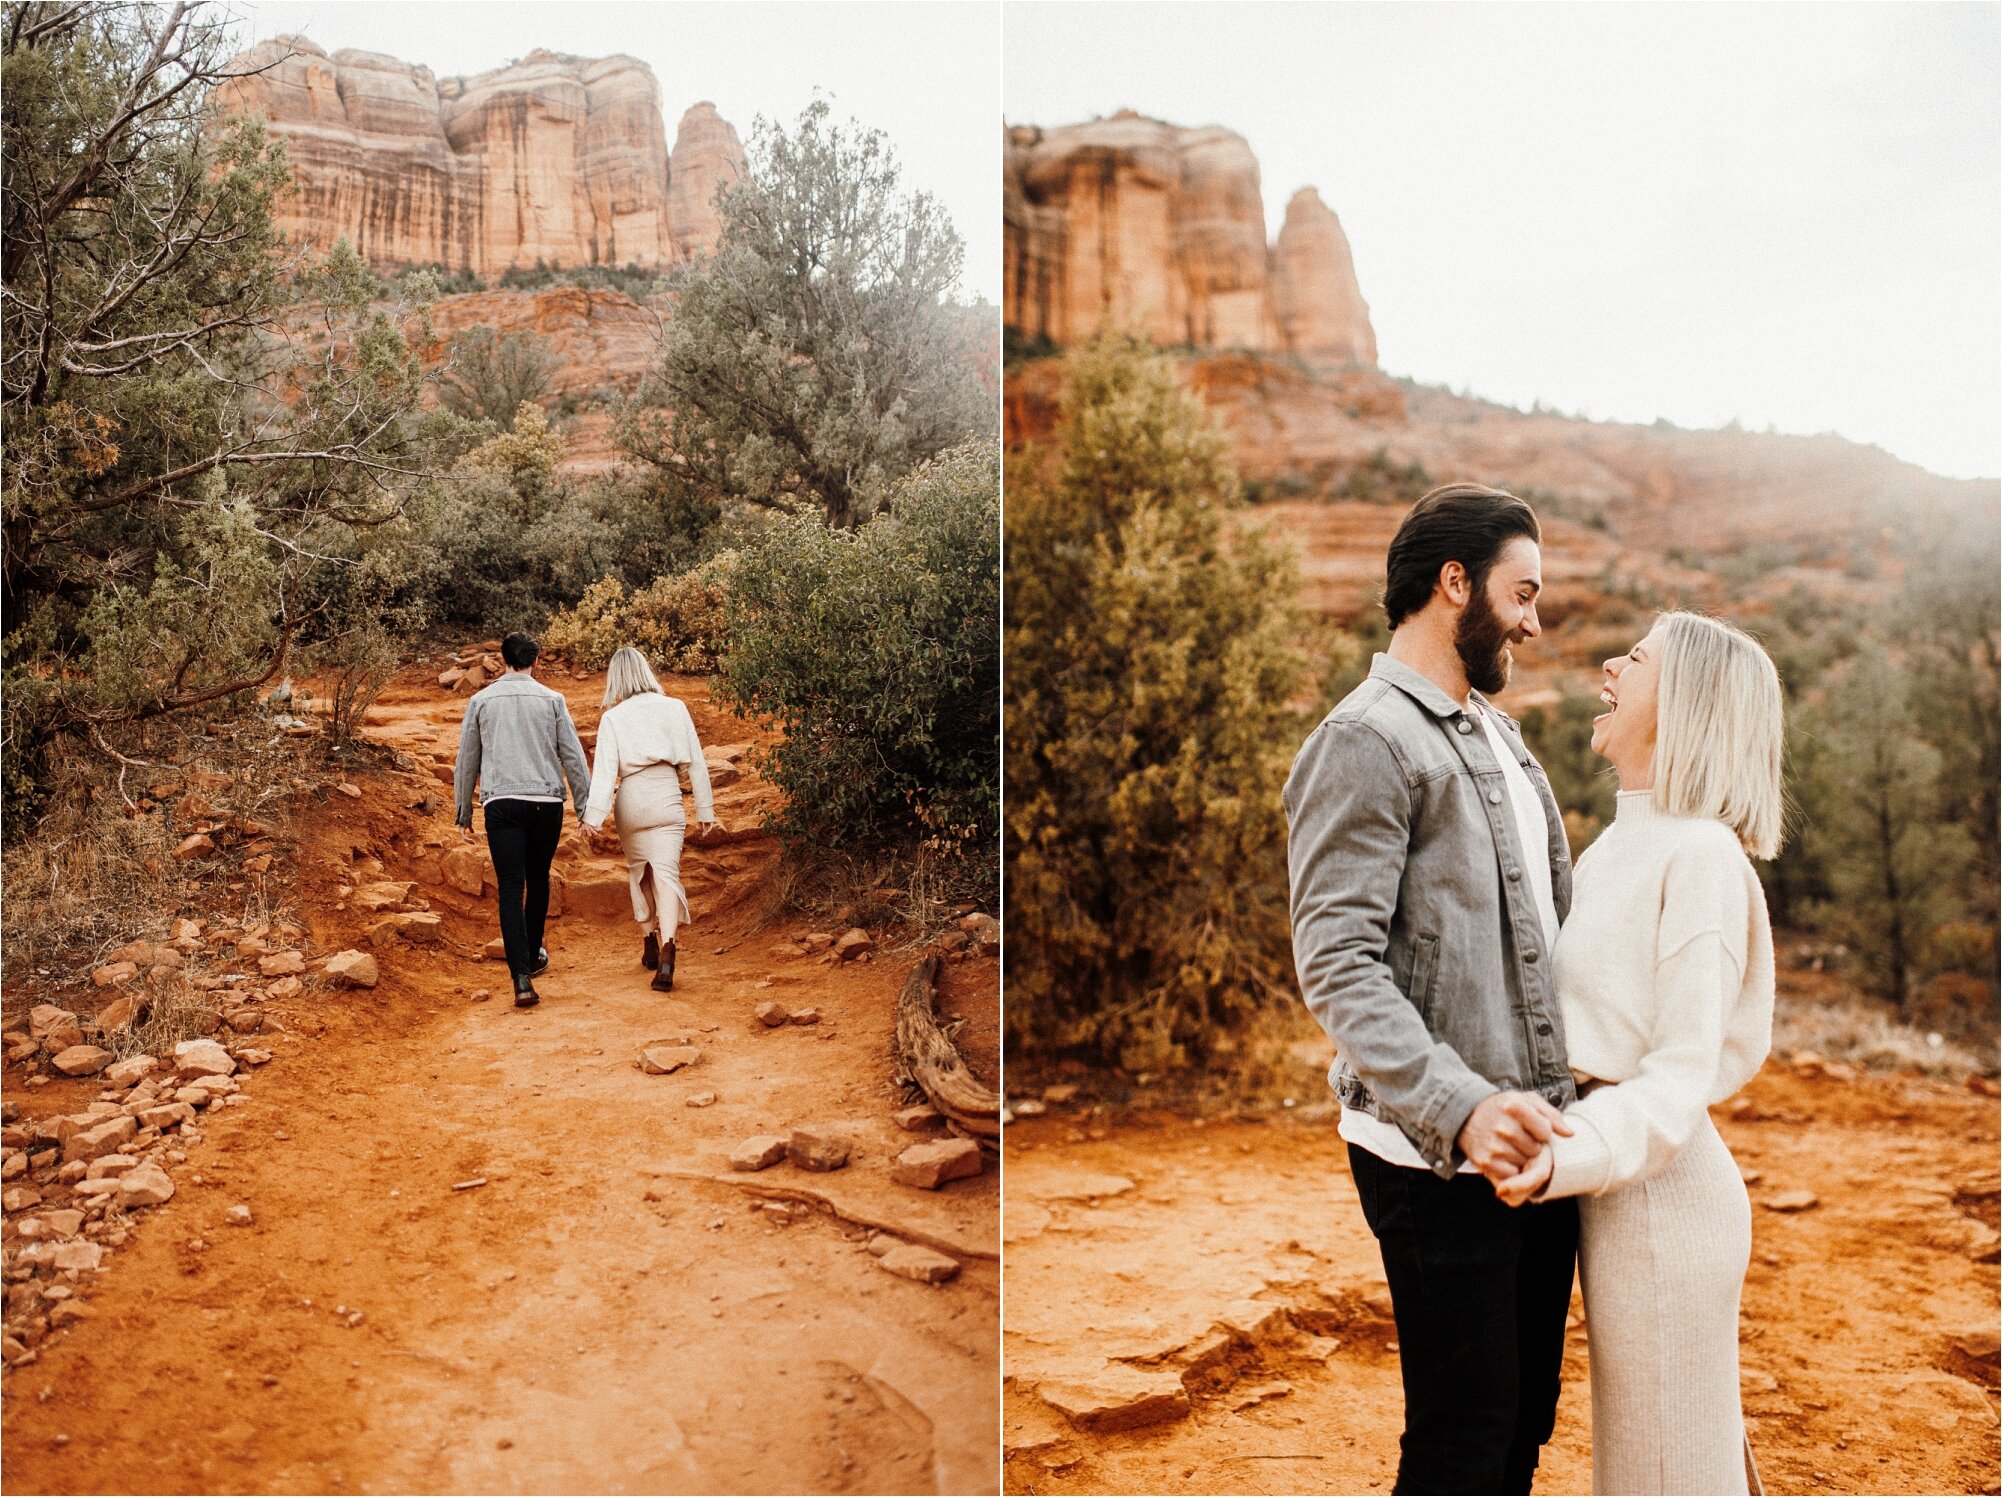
(680, 622)
(1152, 676)
(492, 375)
(876, 651)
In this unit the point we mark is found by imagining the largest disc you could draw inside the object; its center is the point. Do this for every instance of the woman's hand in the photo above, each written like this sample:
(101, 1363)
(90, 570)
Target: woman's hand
(707, 828)
(1520, 1188)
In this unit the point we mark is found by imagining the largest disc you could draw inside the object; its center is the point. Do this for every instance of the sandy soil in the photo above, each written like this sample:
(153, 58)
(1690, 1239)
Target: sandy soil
(1147, 1244)
(605, 1313)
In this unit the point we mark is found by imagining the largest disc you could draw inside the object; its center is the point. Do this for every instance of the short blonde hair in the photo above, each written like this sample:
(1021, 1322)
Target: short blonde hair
(628, 675)
(1720, 730)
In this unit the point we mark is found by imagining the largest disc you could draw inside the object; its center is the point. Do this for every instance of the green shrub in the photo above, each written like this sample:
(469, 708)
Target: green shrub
(876, 651)
(680, 621)
(1153, 676)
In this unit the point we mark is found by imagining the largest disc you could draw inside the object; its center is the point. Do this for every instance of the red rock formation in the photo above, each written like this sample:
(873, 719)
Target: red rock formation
(554, 158)
(1160, 230)
(1315, 294)
(707, 157)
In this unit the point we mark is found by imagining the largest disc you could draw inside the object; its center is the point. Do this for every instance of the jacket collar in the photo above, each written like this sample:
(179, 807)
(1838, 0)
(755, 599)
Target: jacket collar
(1417, 687)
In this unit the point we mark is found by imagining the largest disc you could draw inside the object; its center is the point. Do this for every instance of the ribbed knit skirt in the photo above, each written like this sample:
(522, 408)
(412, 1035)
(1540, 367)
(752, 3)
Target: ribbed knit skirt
(1663, 1265)
(647, 811)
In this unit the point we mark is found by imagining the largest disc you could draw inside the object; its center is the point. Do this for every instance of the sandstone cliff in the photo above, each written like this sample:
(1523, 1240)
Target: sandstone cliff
(1160, 229)
(553, 158)
(707, 157)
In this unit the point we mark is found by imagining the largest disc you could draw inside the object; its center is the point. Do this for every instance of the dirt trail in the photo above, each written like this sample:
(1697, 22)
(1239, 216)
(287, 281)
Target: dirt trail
(603, 1314)
(1227, 1259)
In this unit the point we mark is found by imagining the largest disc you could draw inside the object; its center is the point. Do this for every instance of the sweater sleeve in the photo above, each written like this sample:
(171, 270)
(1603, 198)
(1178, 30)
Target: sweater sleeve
(698, 770)
(1627, 1132)
(604, 774)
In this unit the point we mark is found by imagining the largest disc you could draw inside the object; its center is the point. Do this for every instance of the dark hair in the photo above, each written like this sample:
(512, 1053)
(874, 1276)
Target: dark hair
(1463, 522)
(519, 651)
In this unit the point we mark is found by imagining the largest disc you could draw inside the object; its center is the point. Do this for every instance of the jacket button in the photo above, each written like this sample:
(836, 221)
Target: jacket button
(1543, 1029)
(1529, 957)
(1464, 726)
(1494, 797)
(1514, 873)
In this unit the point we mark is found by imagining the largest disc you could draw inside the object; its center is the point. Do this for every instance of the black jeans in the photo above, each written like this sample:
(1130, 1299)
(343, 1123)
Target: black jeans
(522, 836)
(1480, 1291)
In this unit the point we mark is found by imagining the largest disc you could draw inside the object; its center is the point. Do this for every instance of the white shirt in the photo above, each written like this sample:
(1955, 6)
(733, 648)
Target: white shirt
(1532, 830)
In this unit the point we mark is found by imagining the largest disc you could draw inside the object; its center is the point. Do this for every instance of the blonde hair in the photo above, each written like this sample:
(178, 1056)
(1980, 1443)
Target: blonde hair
(1719, 730)
(628, 675)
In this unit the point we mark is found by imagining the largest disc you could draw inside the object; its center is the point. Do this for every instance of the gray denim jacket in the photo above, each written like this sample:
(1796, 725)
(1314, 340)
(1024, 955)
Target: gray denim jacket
(518, 739)
(1415, 934)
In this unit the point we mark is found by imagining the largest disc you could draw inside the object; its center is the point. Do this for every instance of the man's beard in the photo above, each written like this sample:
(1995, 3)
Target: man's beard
(1483, 645)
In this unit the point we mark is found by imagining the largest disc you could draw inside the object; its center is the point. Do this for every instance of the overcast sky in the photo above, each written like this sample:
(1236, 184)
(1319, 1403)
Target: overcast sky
(1787, 214)
(927, 76)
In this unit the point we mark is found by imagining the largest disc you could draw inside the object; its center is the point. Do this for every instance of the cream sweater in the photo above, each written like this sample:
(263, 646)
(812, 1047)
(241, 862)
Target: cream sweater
(1665, 979)
(644, 730)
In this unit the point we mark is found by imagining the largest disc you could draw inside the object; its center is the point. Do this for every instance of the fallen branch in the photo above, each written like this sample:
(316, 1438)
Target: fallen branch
(933, 1064)
(937, 1241)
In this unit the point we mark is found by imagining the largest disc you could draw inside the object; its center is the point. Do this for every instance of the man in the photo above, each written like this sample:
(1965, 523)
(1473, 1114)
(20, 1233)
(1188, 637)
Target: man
(1429, 872)
(519, 745)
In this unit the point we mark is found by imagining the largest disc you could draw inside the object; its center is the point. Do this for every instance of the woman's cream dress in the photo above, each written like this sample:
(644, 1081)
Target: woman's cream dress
(1664, 975)
(644, 743)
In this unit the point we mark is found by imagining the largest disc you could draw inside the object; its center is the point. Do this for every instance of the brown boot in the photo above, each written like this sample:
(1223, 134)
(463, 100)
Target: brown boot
(650, 951)
(663, 980)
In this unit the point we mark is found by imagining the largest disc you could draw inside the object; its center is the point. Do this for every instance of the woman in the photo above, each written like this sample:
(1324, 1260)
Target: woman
(645, 739)
(1665, 978)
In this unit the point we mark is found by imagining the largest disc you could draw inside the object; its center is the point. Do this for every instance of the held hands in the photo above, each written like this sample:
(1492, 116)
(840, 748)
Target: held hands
(1506, 1137)
(1518, 1188)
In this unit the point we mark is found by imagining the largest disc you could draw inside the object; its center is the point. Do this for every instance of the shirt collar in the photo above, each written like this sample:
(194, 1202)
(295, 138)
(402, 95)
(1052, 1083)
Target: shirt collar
(1419, 688)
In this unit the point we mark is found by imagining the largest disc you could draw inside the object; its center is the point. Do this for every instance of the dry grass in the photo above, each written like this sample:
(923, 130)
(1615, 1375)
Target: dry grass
(1848, 1026)
(1278, 1060)
(97, 870)
(914, 895)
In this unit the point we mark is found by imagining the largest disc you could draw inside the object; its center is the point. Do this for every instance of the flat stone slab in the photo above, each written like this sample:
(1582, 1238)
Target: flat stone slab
(81, 1060)
(817, 1149)
(910, 1261)
(759, 1153)
(665, 1060)
(928, 1166)
(1120, 1397)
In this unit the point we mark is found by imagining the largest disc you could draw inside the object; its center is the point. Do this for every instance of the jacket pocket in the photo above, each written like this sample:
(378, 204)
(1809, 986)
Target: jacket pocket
(1424, 960)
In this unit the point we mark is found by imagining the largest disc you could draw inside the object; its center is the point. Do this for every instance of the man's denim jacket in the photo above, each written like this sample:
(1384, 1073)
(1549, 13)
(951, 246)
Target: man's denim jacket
(1415, 934)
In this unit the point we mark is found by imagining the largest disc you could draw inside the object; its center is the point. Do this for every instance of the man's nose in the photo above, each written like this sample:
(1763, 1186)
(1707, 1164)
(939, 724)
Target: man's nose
(1530, 626)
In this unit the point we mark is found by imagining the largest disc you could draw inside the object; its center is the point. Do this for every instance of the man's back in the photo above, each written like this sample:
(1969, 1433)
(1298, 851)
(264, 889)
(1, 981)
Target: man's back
(518, 741)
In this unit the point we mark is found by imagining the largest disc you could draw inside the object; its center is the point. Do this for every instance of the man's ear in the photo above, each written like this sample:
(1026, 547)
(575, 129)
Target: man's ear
(1456, 586)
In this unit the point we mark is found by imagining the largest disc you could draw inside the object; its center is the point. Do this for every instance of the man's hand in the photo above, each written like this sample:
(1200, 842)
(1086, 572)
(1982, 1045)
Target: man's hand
(1517, 1189)
(707, 828)
(1507, 1131)
(466, 831)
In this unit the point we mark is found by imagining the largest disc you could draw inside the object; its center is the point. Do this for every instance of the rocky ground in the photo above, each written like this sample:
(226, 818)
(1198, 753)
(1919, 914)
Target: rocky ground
(1196, 1305)
(379, 1230)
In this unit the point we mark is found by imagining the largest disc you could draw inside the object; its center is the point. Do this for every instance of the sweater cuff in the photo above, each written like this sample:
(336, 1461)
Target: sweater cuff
(1581, 1165)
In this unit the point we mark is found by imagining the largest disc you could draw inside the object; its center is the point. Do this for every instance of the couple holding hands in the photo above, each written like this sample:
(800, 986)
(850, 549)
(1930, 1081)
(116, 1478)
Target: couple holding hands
(518, 746)
(1528, 1053)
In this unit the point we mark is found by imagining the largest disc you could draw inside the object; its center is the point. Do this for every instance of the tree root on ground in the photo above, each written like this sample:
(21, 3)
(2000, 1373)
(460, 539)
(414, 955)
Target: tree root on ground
(935, 1240)
(933, 1064)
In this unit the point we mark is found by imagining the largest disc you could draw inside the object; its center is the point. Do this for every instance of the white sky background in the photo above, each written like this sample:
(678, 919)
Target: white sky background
(1783, 213)
(927, 76)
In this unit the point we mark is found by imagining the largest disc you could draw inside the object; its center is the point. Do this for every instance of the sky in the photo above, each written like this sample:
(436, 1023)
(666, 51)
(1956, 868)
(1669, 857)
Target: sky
(927, 76)
(1781, 214)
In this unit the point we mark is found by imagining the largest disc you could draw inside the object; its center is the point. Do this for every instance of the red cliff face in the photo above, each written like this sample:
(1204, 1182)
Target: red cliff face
(1143, 226)
(554, 158)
